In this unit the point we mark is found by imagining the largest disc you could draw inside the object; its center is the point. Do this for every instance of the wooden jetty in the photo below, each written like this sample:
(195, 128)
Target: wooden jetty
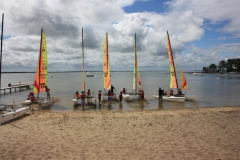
(19, 85)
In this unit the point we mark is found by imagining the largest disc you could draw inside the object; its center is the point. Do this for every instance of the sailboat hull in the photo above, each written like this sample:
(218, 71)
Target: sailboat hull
(104, 98)
(173, 98)
(77, 101)
(8, 116)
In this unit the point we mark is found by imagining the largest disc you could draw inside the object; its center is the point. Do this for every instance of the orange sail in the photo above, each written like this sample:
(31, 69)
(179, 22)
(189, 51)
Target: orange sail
(41, 76)
(106, 66)
(173, 77)
(136, 72)
(184, 85)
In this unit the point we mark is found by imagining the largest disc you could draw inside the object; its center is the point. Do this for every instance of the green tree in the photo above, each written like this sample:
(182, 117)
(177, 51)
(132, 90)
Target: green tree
(205, 69)
(222, 65)
(212, 68)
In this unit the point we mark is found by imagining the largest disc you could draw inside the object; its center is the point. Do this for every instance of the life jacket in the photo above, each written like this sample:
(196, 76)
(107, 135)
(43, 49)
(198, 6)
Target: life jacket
(47, 89)
(82, 96)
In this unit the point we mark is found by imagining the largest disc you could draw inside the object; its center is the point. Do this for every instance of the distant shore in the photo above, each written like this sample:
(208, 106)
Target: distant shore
(203, 133)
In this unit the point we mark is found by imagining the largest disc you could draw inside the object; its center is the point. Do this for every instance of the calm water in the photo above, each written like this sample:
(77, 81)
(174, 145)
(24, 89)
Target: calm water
(212, 91)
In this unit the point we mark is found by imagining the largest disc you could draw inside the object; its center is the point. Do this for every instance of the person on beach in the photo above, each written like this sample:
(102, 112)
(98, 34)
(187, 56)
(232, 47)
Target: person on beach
(171, 93)
(99, 98)
(82, 97)
(88, 93)
(77, 95)
(109, 95)
(142, 95)
(120, 97)
(47, 90)
(124, 91)
(112, 88)
(160, 93)
(32, 98)
(28, 98)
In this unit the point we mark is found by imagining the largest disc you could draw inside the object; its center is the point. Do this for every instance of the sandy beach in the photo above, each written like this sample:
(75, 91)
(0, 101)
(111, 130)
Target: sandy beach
(205, 133)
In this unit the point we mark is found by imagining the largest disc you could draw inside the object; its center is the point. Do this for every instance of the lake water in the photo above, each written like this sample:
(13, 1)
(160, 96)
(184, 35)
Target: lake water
(212, 91)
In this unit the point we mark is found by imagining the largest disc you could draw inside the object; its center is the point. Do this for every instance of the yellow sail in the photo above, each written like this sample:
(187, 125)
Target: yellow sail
(173, 77)
(106, 66)
(41, 76)
(136, 72)
(184, 85)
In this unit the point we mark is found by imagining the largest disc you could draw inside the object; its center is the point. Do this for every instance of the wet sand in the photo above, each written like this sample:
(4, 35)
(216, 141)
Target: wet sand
(205, 133)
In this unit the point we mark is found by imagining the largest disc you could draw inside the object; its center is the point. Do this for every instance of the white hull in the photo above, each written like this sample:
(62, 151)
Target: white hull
(222, 75)
(46, 102)
(79, 102)
(105, 98)
(173, 98)
(127, 97)
(8, 116)
(43, 102)
(187, 97)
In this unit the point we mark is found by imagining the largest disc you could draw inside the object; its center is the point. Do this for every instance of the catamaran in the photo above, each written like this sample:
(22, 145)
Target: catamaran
(134, 95)
(106, 73)
(173, 80)
(9, 112)
(41, 76)
(90, 98)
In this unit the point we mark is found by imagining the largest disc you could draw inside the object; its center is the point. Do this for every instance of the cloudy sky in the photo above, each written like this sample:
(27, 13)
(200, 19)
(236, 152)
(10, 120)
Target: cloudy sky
(201, 33)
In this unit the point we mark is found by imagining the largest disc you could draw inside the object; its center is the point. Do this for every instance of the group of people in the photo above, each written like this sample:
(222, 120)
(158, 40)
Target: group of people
(32, 98)
(168, 93)
(82, 96)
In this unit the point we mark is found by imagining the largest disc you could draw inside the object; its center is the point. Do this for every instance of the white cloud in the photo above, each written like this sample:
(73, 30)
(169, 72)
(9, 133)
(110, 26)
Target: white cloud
(62, 22)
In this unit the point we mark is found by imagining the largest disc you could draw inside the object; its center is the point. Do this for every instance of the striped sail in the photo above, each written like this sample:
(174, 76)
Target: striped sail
(41, 76)
(136, 72)
(184, 85)
(106, 66)
(173, 77)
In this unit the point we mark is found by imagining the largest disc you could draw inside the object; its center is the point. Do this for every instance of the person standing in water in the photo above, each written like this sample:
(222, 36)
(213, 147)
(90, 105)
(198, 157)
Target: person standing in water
(47, 90)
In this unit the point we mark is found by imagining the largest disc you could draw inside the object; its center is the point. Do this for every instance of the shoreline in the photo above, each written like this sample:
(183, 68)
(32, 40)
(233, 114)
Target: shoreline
(198, 133)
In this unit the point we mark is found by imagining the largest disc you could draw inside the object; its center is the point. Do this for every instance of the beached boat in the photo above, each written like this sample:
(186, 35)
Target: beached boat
(137, 83)
(91, 98)
(10, 112)
(41, 75)
(173, 80)
(106, 72)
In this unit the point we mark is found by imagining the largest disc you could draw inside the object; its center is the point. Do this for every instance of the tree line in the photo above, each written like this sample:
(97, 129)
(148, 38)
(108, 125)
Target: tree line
(230, 65)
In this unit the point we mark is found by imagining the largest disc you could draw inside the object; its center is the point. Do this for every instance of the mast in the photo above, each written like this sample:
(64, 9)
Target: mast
(83, 78)
(173, 73)
(135, 63)
(39, 63)
(1, 52)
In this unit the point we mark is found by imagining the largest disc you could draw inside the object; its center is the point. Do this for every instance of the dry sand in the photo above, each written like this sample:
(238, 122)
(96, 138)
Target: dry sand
(206, 133)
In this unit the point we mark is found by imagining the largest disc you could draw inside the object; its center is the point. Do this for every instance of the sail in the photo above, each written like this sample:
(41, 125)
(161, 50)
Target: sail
(136, 72)
(183, 80)
(173, 77)
(139, 78)
(106, 66)
(41, 76)
(83, 77)
(135, 66)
